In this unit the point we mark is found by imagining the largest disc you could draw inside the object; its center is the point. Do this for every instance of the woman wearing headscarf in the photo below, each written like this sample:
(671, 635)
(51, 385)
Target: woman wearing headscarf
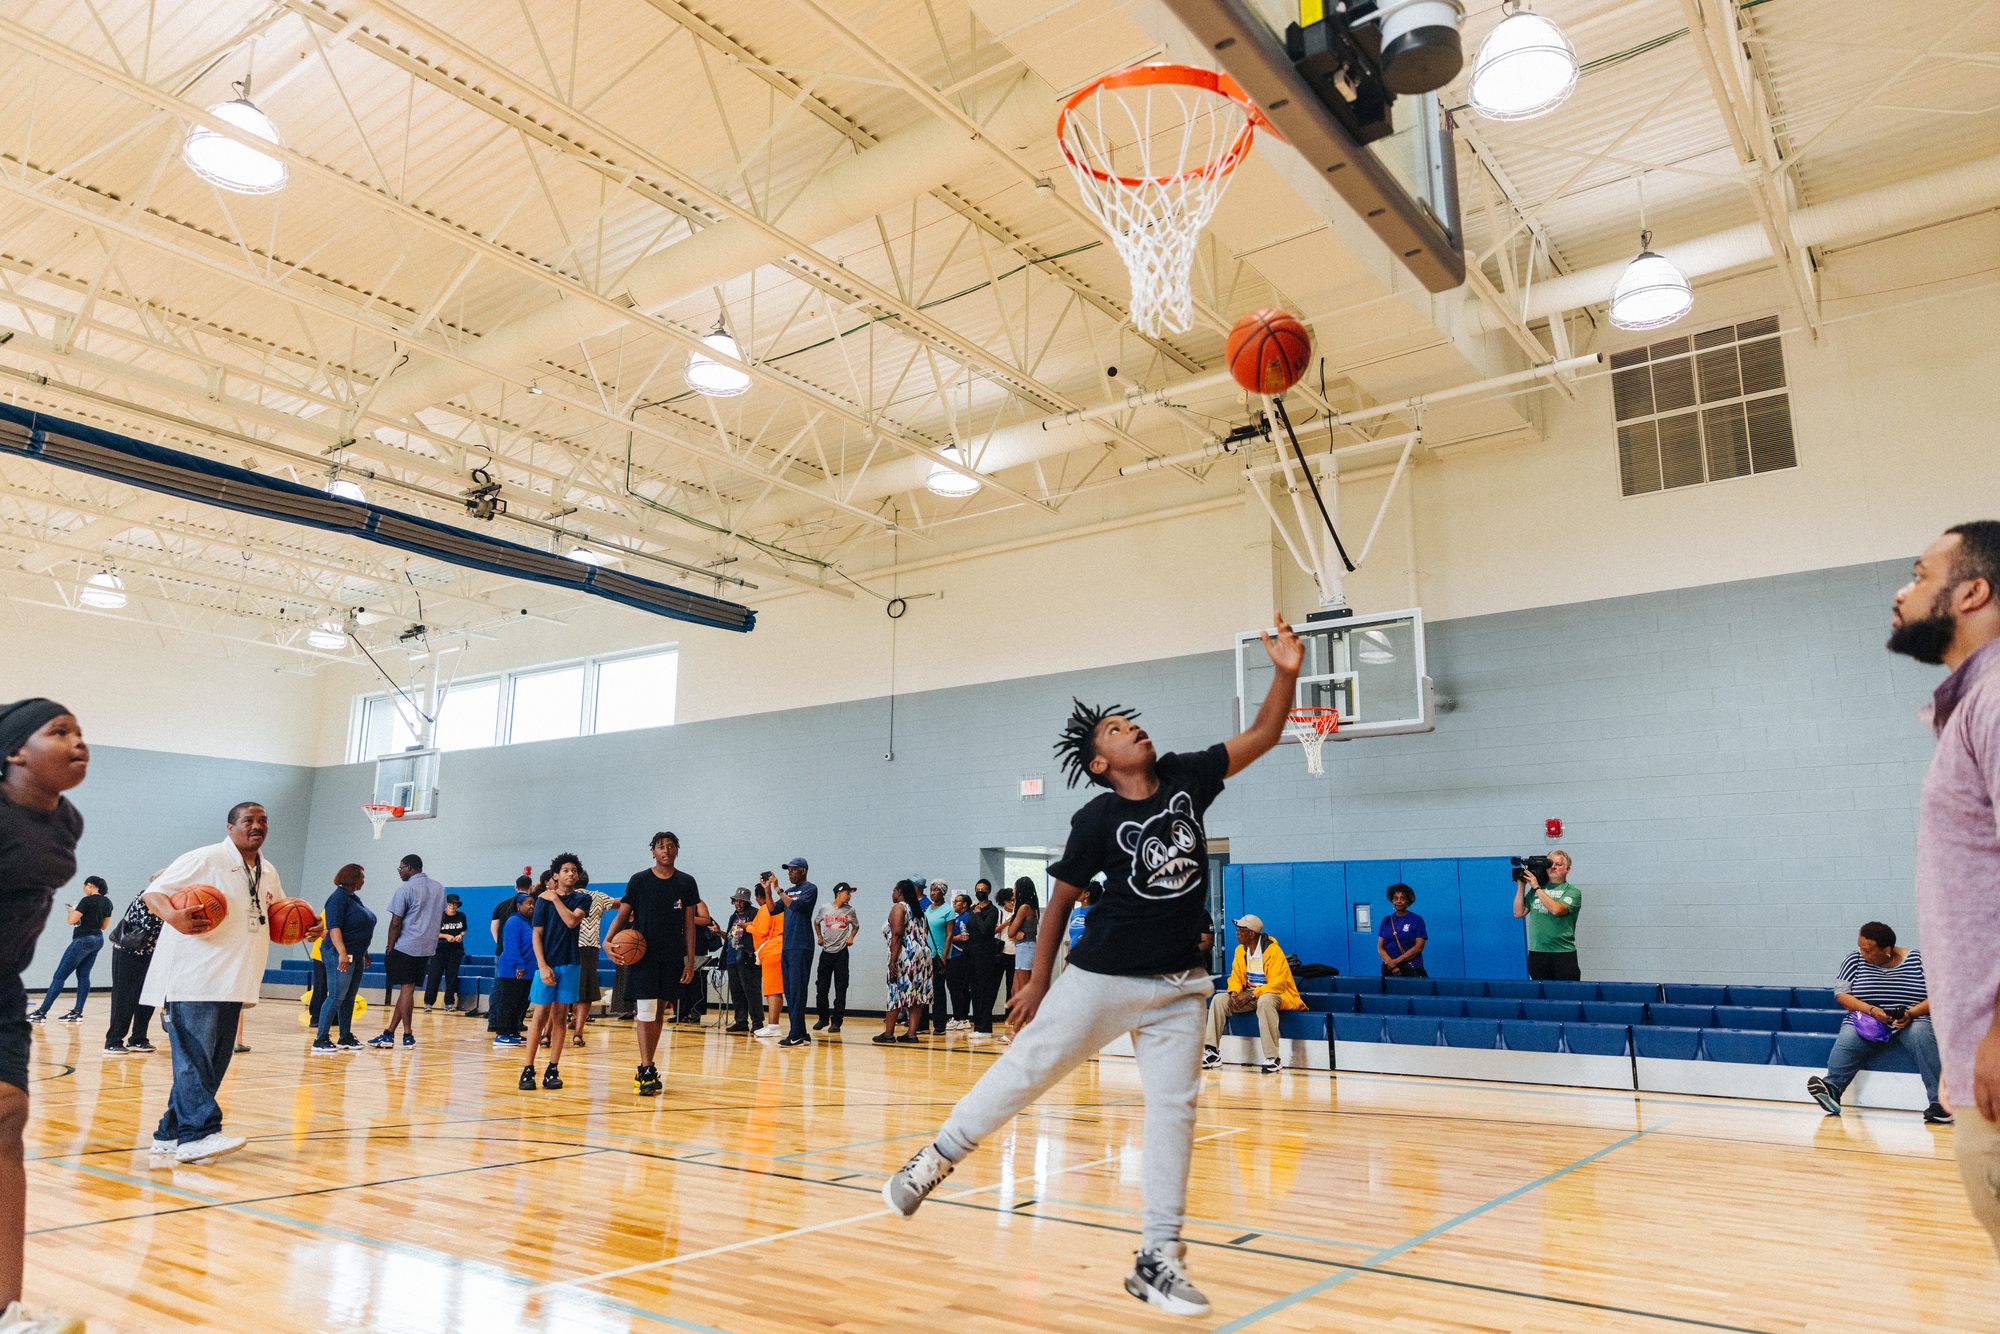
(42, 750)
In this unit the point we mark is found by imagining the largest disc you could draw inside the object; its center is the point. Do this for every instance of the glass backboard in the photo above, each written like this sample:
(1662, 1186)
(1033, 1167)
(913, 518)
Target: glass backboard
(408, 778)
(1371, 668)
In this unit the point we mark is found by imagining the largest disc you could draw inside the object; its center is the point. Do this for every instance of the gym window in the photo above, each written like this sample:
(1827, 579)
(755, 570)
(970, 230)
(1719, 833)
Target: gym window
(1702, 409)
(612, 693)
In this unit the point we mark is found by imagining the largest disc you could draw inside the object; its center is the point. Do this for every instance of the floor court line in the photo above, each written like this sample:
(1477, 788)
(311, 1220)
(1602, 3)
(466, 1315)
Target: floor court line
(748, 1242)
(1390, 1253)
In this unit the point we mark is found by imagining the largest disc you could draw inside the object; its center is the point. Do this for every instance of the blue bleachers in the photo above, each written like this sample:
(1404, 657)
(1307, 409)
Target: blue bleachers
(1327, 1003)
(1514, 990)
(1301, 1024)
(1361, 985)
(1307, 985)
(1614, 1012)
(1684, 1016)
(1411, 1030)
(1461, 986)
(1531, 1035)
(1696, 993)
(1640, 992)
(1357, 1028)
(1815, 1021)
(1595, 1039)
(1569, 991)
(1737, 1045)
(1442, 1007)
(1479, 1033)
(1671, 1044)
(1493, 1009)
(1814, 998)
(1750, 1016)
(1553, 1011)
(1408, 986)
(1780, 997)
(1805, 1049)
(1384, 1004)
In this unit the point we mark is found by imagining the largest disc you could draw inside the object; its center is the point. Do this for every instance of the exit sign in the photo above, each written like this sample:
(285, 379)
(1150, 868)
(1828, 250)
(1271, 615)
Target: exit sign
(1032, 788)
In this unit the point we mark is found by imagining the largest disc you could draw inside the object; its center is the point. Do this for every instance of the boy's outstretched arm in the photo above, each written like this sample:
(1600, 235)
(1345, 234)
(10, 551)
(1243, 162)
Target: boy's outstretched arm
(1264, 731)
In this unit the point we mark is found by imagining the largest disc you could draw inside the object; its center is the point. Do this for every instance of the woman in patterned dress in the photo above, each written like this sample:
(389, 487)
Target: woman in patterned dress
(910, 956)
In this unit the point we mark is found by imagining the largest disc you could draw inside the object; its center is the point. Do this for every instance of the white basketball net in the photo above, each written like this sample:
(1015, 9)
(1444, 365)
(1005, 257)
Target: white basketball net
(1151, 149)
(379, 816)
(1312, 739)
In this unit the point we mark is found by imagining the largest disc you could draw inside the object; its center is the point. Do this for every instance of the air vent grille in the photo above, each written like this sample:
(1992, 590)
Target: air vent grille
(1702, 409)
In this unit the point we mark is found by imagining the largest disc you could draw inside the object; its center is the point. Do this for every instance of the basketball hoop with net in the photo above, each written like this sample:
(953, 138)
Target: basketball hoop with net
(1310, 728)
(1152, 148)
(379, 815)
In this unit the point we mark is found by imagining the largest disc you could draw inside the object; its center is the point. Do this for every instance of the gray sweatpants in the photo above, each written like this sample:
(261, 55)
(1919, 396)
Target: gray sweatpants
(1080, 1014)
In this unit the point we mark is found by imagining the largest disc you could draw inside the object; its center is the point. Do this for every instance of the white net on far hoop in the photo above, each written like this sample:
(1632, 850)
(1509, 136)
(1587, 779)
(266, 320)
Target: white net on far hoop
(1310, 728)
(1151, 149)
(380, 815)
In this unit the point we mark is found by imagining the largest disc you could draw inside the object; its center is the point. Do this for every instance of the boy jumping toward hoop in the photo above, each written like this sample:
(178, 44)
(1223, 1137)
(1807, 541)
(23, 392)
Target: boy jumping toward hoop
(1137, 968)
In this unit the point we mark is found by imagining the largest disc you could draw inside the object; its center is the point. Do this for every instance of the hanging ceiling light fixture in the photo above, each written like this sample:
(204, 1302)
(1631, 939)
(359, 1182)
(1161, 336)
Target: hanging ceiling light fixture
(327, 636)
(1651, 292)
(229, 165)
(585, 556)
(713, 378)
(1525, 67)
(945, 482)
(336, 485)
(104, 591)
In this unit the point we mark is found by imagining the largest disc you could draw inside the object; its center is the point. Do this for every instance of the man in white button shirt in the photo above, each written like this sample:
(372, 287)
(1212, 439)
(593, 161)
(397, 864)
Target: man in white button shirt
(208, 977)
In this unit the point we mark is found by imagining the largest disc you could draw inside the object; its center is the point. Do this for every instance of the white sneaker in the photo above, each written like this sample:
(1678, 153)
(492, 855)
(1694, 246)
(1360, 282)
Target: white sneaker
(17, 1320)
(767, 1031)
(164, 1148)
(1272, 1066)
(981, 1037)
(916, 1179)
(209, 1148)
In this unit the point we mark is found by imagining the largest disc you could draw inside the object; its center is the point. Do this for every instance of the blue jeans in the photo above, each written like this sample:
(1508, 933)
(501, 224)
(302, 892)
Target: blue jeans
(82, 952)
(1851, 1052)
(204, 1035)
(796, 967)
(341, 989)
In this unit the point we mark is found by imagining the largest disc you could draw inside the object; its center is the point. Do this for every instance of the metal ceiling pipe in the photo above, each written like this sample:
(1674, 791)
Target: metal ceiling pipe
(1906, 203)
(894, 171)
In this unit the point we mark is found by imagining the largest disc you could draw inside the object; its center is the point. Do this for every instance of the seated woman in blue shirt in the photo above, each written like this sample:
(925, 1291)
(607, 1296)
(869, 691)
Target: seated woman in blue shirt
(1401, 939)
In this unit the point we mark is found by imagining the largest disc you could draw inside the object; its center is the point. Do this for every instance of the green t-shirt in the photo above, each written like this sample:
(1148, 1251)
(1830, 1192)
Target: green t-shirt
(1548, 933)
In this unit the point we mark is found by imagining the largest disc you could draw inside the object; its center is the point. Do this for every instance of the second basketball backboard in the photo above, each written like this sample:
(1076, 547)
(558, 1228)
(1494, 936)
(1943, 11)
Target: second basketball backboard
(1371, 668)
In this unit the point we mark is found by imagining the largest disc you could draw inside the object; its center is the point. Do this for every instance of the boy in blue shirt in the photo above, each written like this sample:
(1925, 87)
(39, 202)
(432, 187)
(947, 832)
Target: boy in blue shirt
(1400, 941)
(511, 969)
(558, 980)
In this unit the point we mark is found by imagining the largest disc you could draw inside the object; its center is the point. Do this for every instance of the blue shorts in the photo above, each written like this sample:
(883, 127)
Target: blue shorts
(1024, 956)
(569, 985)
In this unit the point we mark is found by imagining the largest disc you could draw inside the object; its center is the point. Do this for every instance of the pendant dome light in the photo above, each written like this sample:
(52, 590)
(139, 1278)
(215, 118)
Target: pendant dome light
(104, 591)
(229, 165)
(327, 636)
(945, 482)
(712, 378)
(1525, 67)
(339, 486)
(1651, 293)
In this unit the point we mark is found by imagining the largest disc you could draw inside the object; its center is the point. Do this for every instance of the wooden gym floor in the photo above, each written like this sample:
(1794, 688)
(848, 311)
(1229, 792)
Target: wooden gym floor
(421, 1191)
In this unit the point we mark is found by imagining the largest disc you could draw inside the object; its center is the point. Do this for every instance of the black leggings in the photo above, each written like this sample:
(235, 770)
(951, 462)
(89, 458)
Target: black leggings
(986, 967)
(128, 979)
(443, 967)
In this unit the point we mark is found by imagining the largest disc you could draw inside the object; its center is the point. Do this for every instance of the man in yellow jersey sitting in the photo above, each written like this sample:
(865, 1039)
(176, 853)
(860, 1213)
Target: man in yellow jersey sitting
(1259, 979)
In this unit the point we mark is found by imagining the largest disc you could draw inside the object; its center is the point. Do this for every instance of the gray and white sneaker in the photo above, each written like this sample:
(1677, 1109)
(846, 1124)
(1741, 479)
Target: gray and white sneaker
(1210, 1057)
(208, 1148)
(1823, 1095)
(1158, 1278)
(17, 1319)
(916, 1179)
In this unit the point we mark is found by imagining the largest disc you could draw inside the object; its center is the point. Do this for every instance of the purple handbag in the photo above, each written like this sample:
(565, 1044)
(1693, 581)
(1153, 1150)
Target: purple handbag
(1867, 1026)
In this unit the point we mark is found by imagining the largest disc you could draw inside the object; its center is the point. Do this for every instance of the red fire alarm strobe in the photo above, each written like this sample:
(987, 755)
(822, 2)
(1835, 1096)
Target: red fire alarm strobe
(1554, 828)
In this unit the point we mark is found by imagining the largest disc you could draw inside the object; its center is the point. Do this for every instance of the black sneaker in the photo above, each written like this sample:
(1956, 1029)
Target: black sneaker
(1823, 1095)
(907, 1037)
(550, 1079)
(37, 1017)
(647, 1082)
(884, 1038)
(74, 1017)
(141, 1046)
(351, 1043)
(796, 1041)
(1211, 1057)
(819, 1026)
(527, 1079)
(114, 1049)
(1158, 1280)
(324, 1047)
(1936, 1115)
(737, 1028)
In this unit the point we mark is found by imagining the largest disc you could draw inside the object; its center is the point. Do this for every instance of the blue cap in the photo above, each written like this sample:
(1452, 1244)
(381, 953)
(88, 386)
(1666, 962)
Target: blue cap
(796, 863)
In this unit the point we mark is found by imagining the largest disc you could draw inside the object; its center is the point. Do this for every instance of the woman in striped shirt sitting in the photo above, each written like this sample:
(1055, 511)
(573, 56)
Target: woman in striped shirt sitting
(1883, 985)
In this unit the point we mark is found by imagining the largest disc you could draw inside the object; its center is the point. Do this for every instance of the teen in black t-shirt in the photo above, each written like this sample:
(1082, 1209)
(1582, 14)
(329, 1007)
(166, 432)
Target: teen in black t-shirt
(1137, 969)
(43, 756)
(659, 904)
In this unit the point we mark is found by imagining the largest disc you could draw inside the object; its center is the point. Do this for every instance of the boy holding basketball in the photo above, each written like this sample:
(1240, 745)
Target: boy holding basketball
(1136, 968)
(659, 904)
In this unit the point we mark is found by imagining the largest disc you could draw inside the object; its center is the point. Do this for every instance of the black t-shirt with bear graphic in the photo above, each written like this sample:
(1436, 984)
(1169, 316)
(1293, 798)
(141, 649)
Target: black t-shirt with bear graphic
(1153, 855)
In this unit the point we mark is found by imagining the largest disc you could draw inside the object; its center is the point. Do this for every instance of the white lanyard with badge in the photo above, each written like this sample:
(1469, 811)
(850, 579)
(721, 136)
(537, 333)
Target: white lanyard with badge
(255, 877)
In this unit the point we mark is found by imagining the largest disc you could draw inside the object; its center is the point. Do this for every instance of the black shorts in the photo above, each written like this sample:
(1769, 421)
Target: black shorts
(14, 1032)
(1553, 966)
(405, 970)
(655, 978)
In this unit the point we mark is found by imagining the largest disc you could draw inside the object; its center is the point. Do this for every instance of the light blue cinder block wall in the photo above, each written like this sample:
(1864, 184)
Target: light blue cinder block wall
(1736, 765)
(143, 808)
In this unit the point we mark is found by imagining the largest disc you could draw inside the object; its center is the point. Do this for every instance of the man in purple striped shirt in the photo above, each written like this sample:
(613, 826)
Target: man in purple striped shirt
(1949, 614)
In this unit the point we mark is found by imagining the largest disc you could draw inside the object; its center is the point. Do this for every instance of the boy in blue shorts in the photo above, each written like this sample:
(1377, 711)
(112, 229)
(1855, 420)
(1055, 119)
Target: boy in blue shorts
(1136, 968)
(558, 976)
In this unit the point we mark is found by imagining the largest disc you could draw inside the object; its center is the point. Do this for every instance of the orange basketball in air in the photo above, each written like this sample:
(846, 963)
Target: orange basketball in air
(207, 904)
(290, 920)
(1268, 351)
(627, 947)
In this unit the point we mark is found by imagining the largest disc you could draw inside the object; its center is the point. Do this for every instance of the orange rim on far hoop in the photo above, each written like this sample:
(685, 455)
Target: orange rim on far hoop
(1321, 720)
(1141, 76)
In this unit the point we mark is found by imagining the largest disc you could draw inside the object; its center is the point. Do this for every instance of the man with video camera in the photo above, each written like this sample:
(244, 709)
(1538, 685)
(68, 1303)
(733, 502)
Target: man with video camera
(1543, 895)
